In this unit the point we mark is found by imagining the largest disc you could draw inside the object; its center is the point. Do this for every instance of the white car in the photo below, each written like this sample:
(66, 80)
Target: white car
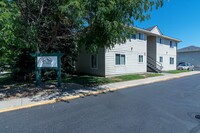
(185, 66)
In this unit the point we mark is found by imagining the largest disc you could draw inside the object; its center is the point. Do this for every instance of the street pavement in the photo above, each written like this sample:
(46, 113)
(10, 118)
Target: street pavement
(163, 107)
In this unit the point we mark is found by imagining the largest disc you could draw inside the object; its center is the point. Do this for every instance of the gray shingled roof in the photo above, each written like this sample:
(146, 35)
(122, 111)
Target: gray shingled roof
(189, 49)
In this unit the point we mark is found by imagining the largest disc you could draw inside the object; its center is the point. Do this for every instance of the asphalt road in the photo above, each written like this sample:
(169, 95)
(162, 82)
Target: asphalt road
(164, 107)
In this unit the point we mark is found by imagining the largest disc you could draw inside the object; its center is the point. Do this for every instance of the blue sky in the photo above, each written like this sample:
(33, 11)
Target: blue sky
(179, 19)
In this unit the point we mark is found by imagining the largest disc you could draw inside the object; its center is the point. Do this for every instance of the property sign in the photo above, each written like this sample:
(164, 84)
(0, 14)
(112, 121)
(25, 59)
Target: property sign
(47, 61)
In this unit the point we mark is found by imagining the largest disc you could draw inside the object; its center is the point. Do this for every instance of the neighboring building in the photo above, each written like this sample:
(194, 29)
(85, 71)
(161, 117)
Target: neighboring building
(147, 50)
(189, 54)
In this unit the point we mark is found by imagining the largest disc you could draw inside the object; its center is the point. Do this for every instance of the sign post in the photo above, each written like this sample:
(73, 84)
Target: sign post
(47, 61)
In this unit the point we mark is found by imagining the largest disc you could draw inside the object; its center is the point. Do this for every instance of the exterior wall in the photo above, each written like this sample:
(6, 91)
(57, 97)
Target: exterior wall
(83, 64)
(166, 52)
(151, 48)
(190, 57)
(132, 49)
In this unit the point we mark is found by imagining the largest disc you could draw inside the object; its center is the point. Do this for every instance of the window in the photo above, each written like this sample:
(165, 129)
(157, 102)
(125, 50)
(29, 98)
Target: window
(171, 44)
(133, 36)
(161, 41)
(140, 58)
(94, 61)
(120, 59)
(161, 59)
(171, 61)
(141, 36)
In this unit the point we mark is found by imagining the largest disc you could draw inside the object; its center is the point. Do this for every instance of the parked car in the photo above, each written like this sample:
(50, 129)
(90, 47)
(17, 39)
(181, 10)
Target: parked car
(185, 66)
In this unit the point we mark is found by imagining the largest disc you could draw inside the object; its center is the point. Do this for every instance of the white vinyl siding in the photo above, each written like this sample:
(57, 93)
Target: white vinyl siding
(130, 57)
(131, 49)
(166, 52)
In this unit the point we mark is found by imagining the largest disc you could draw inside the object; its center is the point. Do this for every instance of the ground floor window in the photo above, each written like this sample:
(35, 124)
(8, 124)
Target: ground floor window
(120, 59)
(140, 58)
(94, 61)
(161, 59)
(171, 60)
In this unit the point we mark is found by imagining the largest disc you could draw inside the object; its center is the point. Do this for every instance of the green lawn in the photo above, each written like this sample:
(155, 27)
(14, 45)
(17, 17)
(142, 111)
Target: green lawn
(176, 71)
(94, 81)
(85, 79)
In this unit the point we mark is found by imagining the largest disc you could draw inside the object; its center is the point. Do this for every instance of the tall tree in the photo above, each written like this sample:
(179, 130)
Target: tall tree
(108, 22)
(8, 39)
(66, 25)
(95, 23)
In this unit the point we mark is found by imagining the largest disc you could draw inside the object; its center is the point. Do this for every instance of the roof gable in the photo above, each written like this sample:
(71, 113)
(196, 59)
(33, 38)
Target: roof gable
(154, 30)
(149, 32)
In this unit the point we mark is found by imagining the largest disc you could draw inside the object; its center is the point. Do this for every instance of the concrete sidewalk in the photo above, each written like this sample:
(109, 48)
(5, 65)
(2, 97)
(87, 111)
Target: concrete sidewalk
(42, 99)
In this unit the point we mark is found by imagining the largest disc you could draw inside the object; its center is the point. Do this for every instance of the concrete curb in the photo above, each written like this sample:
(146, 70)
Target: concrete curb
(109, 88)
(175, 76)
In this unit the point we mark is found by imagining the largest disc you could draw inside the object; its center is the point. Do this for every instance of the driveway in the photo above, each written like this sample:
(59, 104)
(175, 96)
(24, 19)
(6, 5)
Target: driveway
(164, 107)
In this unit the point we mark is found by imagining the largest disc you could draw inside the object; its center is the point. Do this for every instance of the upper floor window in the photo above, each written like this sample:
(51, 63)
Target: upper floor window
(161, 41)
(171, 44)
(141, 36)
(94, 61)
(171, 60)
(120, 59)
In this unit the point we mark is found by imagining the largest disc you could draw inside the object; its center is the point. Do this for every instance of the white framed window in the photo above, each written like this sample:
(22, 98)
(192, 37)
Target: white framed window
(171, 44)
(171, 60)
(141, 36)
(161, 59)
(140, 59)
(120, 59)
(94, 61)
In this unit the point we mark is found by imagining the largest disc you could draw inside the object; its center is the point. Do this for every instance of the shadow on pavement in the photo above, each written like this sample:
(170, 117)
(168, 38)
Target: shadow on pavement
(46, 91)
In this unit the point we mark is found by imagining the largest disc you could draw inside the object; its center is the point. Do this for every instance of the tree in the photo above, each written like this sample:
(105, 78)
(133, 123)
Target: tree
(7, 37)
(67, 25)
(109, 21)
(94, 23)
